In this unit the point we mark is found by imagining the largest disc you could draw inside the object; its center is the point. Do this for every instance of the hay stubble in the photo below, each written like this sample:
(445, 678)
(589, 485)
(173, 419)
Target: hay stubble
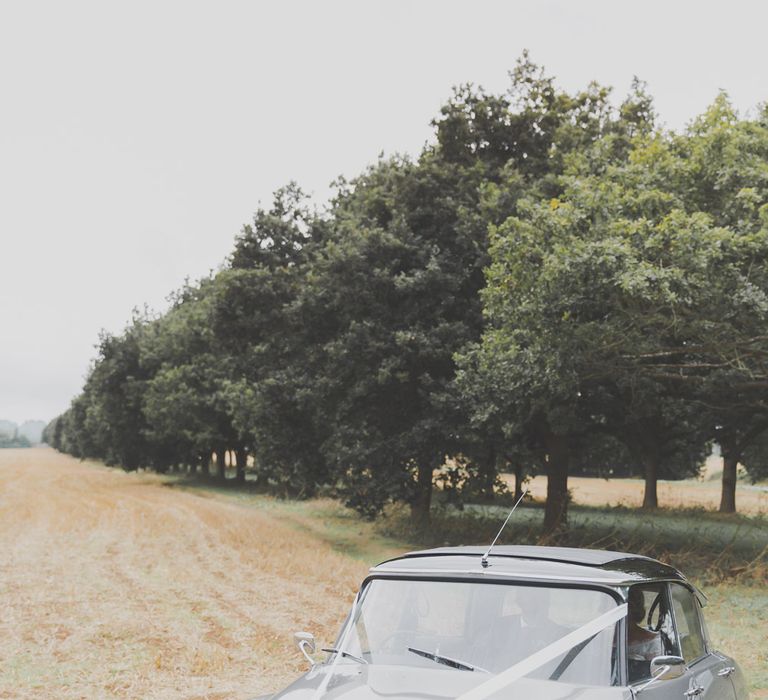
(113, 586)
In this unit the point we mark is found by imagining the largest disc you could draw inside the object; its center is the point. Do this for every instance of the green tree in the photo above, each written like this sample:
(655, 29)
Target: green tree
(185, 407)
(608, 291)
(113, 425)
(395, 289)
(270, 338)
(726, 176)
(392, 294)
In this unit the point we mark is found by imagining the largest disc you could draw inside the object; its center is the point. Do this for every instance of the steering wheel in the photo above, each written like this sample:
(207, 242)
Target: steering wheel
(659, 603)
(656, 603)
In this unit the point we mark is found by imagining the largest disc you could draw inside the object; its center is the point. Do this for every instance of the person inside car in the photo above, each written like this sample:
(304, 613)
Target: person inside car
(643, 643)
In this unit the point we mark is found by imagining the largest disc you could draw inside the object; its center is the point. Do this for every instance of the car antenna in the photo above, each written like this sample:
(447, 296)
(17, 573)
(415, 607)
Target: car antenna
(484, 560)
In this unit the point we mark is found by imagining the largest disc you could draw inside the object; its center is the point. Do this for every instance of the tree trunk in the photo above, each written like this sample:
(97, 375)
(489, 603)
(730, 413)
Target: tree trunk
(262, 478)
(728, 494)
(488, 469)
(241, 457)
(518, 481)
(221, 464)
(205, 464)
(556, 508)
(651, 467)
(423, 497)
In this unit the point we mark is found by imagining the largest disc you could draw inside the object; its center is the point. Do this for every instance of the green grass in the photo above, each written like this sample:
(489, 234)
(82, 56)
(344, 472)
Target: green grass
(737, 617)
(324, 518)
(707, 546)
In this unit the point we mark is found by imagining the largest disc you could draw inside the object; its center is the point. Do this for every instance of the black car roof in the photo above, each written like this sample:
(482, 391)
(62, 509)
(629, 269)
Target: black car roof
(568, 555)
(535, 563)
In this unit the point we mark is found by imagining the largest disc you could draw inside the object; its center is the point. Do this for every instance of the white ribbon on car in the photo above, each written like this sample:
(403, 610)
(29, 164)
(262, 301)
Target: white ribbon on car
(548, 653)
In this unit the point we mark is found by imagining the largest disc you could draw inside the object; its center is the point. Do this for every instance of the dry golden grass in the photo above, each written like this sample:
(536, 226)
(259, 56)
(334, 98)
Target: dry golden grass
(691, 493)
(113, 586)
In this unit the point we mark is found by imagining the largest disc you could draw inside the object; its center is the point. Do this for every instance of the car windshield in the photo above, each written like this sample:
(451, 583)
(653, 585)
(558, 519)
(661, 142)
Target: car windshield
(480, 627)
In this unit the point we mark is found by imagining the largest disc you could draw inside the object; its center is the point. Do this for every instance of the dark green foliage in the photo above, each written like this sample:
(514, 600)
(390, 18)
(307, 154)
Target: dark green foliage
(553, 286)
(755, 457)
(106, 420)
(394, 293)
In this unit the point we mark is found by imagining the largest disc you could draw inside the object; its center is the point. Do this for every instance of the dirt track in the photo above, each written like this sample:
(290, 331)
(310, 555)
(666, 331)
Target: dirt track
(112, 585)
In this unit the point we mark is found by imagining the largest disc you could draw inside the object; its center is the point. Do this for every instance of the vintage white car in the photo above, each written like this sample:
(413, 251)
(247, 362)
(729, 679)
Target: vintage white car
(532, 623)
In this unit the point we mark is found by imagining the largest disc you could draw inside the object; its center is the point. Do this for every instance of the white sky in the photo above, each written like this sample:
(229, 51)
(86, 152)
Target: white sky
(137, 138)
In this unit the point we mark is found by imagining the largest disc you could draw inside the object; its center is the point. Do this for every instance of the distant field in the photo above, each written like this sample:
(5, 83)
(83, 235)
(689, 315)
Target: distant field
(705, 493)
(114, 585)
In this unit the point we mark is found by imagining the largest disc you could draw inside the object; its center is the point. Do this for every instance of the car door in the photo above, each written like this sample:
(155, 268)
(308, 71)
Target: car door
(709, 671)
(654, 614)
(730, 668)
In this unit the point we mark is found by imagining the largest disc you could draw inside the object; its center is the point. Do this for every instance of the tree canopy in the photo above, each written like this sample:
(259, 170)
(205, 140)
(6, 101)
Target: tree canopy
(554, 284)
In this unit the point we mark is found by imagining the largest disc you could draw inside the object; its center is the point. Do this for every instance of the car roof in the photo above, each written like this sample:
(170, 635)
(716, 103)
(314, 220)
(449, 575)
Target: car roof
(534, 563)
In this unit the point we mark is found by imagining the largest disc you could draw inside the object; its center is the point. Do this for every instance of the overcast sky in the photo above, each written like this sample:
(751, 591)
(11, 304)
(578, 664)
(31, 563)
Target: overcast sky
(136, 138)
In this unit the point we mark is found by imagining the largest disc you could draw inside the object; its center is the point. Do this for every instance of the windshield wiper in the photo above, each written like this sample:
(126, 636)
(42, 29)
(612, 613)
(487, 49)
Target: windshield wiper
(446, 660)
(346, 654)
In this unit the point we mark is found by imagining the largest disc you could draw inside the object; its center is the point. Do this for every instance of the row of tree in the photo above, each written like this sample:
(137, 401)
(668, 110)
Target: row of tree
(14, 440)
(555, 284)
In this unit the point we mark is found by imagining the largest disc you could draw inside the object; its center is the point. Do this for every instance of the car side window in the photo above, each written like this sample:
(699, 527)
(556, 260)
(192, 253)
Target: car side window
(688, 626)
(650, 630)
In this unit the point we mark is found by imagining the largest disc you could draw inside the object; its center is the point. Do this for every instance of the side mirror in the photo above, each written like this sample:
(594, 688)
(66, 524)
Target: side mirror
(305, 641)
(665, 668)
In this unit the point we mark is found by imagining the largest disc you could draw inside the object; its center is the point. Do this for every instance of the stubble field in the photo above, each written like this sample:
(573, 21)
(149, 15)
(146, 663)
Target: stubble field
(112, 585)
(117, 585)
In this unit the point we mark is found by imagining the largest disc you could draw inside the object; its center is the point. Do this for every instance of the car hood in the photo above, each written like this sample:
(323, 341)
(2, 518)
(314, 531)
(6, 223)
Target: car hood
(379, 682)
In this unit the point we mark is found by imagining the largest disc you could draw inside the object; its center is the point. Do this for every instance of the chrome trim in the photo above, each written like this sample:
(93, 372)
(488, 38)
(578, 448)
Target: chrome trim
(489, 573)
(505, 574)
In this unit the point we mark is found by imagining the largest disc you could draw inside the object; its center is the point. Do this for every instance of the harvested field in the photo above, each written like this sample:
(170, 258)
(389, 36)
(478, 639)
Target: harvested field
(113, 586)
